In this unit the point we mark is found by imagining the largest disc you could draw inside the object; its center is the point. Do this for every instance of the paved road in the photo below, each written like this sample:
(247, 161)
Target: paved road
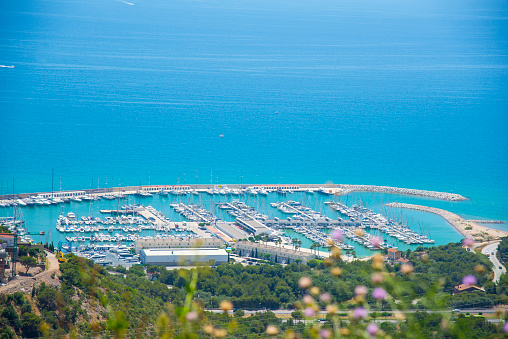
(491, 249)
(323, 313)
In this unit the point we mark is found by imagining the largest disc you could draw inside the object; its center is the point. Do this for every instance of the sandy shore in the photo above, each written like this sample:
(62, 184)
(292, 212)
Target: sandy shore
(345, 189)
(468, 228)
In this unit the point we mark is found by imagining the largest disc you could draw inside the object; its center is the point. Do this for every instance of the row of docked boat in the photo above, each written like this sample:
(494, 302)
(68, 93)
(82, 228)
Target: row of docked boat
(319, 237)
(364, 238)
(119, 237)
(239, 209)
(42, 201)
(194, 212)
(16, 226)
(371, 220)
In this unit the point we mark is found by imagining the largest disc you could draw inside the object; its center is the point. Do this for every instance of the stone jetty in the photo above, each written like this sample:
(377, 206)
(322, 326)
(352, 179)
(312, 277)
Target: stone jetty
(344, 189)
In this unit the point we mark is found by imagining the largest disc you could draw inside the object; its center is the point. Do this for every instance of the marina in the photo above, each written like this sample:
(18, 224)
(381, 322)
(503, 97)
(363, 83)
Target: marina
(122, 217)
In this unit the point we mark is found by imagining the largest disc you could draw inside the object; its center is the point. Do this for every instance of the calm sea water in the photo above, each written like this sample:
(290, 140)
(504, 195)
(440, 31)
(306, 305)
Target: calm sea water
(395, 93)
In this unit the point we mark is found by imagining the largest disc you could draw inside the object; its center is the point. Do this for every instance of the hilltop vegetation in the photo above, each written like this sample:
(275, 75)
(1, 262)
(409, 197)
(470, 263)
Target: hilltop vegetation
(154, 302)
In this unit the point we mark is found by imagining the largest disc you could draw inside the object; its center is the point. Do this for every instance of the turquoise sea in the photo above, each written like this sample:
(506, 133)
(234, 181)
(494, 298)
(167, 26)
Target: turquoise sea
(396, 93)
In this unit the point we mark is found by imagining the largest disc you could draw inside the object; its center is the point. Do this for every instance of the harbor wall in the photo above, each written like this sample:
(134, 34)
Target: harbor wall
(338, 189)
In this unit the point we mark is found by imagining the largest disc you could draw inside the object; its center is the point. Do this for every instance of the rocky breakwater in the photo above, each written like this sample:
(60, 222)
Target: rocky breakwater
(468, 228)
(344, 189)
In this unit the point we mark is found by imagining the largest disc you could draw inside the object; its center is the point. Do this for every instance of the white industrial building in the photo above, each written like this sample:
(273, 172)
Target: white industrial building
(183, 256)
(277, 254)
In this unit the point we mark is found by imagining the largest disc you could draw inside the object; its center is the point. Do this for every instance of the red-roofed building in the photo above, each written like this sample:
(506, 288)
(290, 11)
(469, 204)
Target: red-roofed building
(393, 254)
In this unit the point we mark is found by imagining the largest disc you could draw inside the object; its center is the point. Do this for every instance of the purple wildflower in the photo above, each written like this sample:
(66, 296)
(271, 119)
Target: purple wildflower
(337, 235)
(360, 313)
(505, 328)
(376, 241)
(379, 293)
(309, 312)
(469, 280)
(325, 334)
(467, 242)
(372, 329)
(325, 297)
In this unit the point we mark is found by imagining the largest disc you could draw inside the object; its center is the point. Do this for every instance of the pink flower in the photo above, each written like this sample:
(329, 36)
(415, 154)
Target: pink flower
(379, 293)
(360, 290)
(325, 334)
(309, 312)
(325, 297)
(360, 313)
(377, 278)
(376, 241)
(307, 299)
(337, 235)
(305, 282)
(372, 329)
(191, 316)
(505, 328)
(467, 242)
(469, 280)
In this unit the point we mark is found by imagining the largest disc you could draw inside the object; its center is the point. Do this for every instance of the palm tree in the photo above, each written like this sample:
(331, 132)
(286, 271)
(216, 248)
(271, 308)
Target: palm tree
(294, 241)
(316, 246)
(312, 247)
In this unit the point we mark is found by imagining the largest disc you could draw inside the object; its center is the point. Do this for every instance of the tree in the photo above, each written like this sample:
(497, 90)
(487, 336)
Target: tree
(22, 251)
(33, 251)
(297, 315)
(30, 325)
(28, 262)
(313, 246)
(47, 298)
(41, 256)
(239, 313)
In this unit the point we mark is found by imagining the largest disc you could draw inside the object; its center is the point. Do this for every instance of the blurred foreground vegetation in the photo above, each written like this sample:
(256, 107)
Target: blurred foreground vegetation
(145, 302)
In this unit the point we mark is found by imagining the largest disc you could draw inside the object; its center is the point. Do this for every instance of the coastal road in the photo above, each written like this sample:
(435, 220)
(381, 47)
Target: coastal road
(323, 313)
(499, 269)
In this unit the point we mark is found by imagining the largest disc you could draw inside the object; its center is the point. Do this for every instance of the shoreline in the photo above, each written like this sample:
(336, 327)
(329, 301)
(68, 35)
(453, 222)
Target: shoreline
(468, 228)
(335, 189)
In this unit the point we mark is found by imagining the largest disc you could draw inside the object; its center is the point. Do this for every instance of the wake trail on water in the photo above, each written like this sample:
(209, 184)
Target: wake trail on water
(125, 2)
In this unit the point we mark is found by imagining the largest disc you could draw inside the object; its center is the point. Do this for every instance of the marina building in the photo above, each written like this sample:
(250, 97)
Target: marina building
(184, 256)
(277, 254)
(254, 227)
(61, 194)
(167, 243)
(231, 230)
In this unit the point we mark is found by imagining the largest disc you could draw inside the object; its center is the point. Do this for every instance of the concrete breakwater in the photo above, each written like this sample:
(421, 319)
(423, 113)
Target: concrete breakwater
(468, 228)
(396, 190)
(338, 189)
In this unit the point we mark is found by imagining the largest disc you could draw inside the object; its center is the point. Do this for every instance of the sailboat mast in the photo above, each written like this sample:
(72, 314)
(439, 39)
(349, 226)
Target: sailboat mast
(52, 181)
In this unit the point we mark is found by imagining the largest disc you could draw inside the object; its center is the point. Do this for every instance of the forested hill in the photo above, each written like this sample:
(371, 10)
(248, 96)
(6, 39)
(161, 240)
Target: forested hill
(94, 300)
